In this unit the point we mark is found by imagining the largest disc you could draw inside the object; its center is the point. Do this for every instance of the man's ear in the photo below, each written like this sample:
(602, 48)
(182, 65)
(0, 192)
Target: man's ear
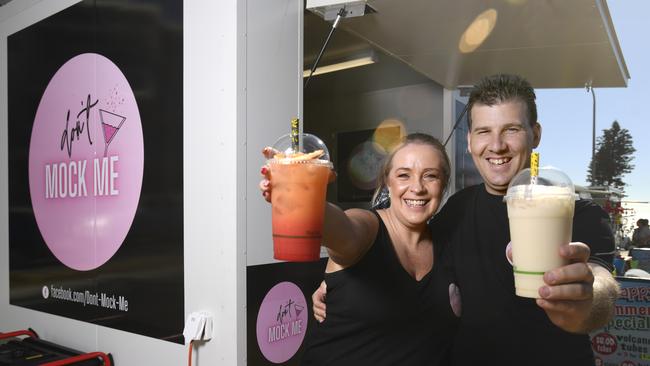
(537, 134)
(469, 143)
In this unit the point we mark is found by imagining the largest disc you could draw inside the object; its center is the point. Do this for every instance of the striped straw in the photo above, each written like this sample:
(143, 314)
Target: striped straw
(534, 167)
(294, 134)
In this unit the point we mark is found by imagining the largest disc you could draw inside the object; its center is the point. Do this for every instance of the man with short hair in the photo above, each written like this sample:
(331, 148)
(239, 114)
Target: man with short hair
(497, 327)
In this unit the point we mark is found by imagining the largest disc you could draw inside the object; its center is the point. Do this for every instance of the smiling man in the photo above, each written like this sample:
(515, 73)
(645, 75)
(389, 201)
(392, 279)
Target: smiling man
(500, 142)
(497, 327)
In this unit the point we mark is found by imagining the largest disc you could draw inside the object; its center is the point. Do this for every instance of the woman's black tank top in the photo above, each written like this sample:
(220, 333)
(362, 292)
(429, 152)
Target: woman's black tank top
(377, 314)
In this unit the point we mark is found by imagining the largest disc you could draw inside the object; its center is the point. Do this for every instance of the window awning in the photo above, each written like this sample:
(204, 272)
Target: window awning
(553, 43)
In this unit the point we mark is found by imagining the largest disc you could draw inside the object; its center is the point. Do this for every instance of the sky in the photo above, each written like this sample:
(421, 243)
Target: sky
(568, 112)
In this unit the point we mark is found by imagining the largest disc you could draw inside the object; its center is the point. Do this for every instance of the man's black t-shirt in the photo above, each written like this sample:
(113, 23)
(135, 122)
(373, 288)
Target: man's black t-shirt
(497, 327)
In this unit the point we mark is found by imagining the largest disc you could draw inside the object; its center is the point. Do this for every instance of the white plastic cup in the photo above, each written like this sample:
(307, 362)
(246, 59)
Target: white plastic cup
(541, 220)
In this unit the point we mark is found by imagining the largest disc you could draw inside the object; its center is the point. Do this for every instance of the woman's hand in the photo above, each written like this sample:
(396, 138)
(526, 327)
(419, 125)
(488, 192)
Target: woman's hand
(265, 183)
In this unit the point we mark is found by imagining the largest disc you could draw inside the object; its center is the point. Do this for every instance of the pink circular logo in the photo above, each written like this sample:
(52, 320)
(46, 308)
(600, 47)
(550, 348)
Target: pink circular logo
(86, 159)
(282, 322)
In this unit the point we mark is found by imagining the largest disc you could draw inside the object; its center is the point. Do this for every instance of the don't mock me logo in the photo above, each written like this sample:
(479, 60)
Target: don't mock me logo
(281, 322)
(86, 159)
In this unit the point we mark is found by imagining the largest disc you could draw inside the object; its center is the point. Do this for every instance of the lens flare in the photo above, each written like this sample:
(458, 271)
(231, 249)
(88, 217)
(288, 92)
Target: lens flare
(478, 31)
(367, 157)
(388, 134)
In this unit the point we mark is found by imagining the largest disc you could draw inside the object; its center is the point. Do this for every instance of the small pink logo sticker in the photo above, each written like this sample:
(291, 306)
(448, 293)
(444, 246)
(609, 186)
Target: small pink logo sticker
(282, 322)
(86, 159)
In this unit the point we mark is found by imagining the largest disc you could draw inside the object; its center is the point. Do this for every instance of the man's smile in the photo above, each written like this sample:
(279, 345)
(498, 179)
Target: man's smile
(498, 161)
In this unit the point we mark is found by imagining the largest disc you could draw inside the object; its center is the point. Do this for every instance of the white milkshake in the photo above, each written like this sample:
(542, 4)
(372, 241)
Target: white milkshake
(541, 220)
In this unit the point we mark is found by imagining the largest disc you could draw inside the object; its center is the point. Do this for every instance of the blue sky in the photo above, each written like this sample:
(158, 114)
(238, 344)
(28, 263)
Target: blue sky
(566, 114)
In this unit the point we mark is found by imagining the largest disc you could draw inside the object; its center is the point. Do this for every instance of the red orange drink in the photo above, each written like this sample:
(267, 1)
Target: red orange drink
(299, 186)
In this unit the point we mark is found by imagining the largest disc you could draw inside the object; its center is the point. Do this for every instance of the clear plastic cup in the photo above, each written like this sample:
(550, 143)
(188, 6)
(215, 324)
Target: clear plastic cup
(541, 220)
(299, 187)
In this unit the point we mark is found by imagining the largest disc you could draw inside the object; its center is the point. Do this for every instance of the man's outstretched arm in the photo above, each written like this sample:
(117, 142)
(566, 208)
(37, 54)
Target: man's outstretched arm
(579, 297)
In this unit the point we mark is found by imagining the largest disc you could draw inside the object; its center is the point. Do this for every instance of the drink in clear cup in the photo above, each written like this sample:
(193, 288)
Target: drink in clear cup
(299, 186)
(541, 220)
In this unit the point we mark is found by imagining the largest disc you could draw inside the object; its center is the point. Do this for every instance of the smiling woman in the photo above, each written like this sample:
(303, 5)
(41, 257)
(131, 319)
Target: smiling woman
(416, 175)
(381, 262)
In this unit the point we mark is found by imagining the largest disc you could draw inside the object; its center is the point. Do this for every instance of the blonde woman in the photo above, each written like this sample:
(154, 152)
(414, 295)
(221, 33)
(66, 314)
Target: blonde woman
(387, 295)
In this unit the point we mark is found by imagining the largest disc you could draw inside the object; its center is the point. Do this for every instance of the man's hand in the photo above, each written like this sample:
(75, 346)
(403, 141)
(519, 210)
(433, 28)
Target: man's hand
(318, 300)
(580, 296)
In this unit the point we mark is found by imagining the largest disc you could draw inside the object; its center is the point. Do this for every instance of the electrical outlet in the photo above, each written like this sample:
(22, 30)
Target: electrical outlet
(198, 326)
